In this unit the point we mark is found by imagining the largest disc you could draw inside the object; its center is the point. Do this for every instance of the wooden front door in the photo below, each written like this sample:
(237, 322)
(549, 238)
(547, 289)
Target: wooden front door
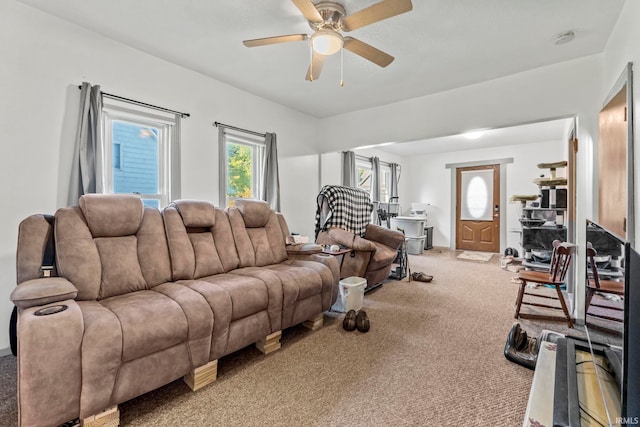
(478, 208)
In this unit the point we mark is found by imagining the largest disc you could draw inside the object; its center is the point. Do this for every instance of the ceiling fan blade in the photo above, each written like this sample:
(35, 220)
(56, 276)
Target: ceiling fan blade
(309, 10)
(374, 13)
(368, 52)
(317, 61)
(273, 40)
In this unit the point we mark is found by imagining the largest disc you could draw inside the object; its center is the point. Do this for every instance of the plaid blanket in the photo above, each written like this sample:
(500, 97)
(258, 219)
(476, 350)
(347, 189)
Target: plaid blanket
(347, 208)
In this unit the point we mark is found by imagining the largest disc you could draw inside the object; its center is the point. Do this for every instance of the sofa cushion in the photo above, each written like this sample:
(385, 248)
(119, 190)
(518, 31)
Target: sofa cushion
(199, 251)
(112, 215)
(248, 295)
(257, 246)
(150, 322)
(254, 212)
(196, 213)
(121, 271)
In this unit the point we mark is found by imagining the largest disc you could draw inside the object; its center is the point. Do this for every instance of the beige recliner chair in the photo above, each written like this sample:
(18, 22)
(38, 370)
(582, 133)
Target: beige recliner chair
(343, 218)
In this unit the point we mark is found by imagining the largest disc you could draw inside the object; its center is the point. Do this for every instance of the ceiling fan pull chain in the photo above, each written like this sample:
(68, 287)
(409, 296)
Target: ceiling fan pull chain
(342, 66)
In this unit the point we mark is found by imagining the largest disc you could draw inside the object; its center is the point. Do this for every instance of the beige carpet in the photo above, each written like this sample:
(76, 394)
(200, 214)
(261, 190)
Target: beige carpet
(433, 357)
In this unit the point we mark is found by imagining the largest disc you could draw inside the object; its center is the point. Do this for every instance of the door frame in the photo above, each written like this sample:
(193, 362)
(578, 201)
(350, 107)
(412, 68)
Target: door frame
(495, 216)
(503, 196)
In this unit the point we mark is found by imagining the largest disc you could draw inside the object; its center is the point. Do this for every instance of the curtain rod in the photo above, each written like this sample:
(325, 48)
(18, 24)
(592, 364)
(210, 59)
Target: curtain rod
(144, 104)
(361, 157)
(218, 124)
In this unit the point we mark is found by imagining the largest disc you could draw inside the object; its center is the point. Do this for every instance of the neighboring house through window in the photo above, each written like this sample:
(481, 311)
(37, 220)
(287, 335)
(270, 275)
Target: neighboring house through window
(138, 146)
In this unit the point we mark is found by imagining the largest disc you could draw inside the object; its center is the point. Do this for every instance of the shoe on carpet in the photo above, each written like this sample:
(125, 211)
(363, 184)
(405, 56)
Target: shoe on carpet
(362, 321)
(421, 277)
(349, 322)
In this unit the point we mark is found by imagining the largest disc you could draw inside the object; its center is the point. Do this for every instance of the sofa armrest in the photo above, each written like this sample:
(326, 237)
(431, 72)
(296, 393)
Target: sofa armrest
(43, 291)
(390, 238)
(303, 249)
(326, 259)
(50, 365)
(347, 239)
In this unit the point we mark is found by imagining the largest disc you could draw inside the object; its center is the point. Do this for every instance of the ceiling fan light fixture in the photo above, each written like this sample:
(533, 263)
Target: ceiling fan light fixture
(326, 42)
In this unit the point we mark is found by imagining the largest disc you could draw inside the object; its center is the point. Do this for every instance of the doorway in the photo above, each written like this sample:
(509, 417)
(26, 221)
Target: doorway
(478, 208)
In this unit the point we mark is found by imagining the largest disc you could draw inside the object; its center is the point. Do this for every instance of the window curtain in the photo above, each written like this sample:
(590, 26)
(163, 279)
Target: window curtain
(349, 169)
(395, 178)
(86, 169)
(270, 179)
(176, 161)
(375, 189)
(375, 179)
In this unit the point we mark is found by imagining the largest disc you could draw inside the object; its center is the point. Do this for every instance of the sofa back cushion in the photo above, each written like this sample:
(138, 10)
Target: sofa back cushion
(111, 245)
(257, 233)
(200, 240)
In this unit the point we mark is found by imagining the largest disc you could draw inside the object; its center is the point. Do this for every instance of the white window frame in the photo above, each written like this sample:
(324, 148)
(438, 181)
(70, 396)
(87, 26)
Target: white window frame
(385, 178)
(168, 141)
(364, 164)
(258, 152)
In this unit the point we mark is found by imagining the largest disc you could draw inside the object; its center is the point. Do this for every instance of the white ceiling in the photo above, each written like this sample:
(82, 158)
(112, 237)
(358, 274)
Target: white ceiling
(551, 130)
(440, 45)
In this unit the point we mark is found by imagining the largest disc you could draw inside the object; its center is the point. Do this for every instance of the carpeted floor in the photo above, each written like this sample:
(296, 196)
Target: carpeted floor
(433, 357)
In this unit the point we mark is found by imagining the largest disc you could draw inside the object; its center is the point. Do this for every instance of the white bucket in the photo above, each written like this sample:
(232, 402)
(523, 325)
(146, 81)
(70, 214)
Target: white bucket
(412, 226)
(415, 245)
(350, 294)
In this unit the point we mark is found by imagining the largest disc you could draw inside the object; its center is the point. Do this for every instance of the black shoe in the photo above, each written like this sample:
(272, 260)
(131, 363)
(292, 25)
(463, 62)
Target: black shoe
(362, 321)
(349, 322)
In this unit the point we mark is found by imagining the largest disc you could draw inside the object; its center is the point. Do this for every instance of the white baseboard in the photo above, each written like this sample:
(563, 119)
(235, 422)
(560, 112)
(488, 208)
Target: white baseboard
(5, 351)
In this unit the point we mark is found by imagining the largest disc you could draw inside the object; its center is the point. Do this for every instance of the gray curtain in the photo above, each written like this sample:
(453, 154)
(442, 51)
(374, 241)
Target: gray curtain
(375, 179)
(271, 181)
(86, 169)
(176, 161)
(395, 178)
(349, 178)
(375, 188)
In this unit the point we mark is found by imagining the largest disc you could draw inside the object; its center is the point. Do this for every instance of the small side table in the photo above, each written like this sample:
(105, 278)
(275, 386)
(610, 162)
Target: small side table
(338, 254)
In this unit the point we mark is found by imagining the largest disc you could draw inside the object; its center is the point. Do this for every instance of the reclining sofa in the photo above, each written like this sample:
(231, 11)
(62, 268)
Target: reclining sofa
(141, 297)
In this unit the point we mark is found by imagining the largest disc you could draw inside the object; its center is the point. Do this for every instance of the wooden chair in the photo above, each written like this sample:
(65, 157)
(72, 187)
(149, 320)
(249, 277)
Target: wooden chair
(560, 260)
(595, 284)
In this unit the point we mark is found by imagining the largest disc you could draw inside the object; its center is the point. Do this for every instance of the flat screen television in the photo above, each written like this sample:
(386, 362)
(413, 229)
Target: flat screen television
(631, 340)
(627, 259)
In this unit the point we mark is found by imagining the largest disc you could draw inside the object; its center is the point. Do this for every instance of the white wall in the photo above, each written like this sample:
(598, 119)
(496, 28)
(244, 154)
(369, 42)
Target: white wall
(43, 60)
(559, 90)
(623, 47)
(430, 181)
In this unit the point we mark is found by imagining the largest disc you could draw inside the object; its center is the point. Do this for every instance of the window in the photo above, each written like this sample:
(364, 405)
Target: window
(137, 158)
(365, 177)
(242, 160)
(363, 171)
(385, 183)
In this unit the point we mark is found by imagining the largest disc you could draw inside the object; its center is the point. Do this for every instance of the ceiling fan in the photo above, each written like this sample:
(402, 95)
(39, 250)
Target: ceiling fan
(328, 19)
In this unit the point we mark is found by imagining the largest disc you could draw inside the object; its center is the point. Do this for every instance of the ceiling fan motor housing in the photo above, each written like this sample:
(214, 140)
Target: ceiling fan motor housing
(332, 14)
